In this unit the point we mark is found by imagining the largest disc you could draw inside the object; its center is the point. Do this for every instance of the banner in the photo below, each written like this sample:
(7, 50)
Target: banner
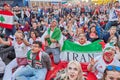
(73, 51)
(6, 19)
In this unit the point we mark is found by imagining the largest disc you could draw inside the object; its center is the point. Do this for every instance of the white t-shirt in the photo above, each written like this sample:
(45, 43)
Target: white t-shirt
(20, 49)
(31, 40)
(113, 15)
(100, 66)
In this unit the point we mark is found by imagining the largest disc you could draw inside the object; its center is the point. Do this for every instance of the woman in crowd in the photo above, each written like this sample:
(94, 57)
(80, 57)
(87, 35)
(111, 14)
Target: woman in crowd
(72, 72)
(111, 73)
(92, 34)
(34, 36)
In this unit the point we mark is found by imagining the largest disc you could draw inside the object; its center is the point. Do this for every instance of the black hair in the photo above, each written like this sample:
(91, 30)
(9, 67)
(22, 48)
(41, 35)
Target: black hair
(116, 2)
(35, 32)
(38, 42)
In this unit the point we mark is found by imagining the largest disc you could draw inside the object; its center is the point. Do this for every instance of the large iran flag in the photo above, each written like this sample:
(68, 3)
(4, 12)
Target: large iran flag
(72, 51)
(6, 19)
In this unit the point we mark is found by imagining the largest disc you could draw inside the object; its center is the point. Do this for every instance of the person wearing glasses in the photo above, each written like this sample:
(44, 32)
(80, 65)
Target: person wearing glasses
(111, 73)
(20, 46)
(38, 64)
(107, 58)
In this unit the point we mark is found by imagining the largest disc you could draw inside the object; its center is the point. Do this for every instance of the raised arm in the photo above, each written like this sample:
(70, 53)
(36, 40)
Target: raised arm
(92, 63)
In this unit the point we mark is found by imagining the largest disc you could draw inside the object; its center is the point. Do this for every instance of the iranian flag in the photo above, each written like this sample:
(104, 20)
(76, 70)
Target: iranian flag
(6, 19)
(73, 51)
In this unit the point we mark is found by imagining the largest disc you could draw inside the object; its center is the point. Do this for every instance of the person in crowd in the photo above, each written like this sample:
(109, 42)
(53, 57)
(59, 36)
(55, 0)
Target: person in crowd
(111, 35)
(52, 38)
(82, 40)
(13, 30)
(117, 48)
(42, 27)
(35, 27)
(78, 32)
(34, 36)
(38, 64)
(20, 46)
(113, 17)
(92, 34)
(73, 71)
(111, 73)
(107, 58)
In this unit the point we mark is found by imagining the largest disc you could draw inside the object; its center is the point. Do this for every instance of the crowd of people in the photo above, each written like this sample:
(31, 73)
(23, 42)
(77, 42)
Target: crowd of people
(38, 32)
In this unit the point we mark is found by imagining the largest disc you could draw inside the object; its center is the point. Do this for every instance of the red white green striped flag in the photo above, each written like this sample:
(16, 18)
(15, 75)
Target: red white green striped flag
(72, 51)
(6, 19)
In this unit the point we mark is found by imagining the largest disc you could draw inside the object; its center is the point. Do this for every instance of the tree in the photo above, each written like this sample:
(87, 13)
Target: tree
(2, 19)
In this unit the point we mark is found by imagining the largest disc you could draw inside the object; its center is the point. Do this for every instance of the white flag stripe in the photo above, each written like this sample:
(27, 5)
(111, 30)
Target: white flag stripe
(8, 19)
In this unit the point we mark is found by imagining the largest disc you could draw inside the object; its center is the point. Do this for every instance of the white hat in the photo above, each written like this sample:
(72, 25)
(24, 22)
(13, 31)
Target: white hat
(109, 46)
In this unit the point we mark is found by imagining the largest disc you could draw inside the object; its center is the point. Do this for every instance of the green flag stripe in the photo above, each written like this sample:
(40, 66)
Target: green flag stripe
(28, 54)
(71, 46)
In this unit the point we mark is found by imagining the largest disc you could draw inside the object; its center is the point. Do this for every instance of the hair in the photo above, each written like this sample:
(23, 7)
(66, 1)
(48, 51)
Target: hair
(80, 74)
(116, 2)
(91, 28)
(38, 42)
(112, 27)
(19, 32)
(35, 32)
(105, 73)
(82, 35)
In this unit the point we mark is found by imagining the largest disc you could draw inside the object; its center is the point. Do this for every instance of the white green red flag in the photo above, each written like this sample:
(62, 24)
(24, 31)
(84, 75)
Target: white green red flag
(73, 51)
(6, 19)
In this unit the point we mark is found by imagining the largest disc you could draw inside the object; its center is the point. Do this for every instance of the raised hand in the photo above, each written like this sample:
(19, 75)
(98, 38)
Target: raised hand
(92, 62)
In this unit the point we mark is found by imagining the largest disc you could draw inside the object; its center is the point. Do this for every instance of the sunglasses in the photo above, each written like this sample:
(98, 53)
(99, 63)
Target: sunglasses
(111, 68)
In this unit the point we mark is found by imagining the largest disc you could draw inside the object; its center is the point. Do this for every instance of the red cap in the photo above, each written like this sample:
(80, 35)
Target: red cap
(6, 4)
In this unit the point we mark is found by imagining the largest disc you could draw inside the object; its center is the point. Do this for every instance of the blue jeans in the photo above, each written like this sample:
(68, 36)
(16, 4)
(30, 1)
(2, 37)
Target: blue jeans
(55, 52)
(29, 73)
(110, 24)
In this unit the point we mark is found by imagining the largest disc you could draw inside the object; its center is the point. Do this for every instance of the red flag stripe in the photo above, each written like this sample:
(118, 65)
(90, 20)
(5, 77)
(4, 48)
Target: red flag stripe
(8, 26)
(2, 12)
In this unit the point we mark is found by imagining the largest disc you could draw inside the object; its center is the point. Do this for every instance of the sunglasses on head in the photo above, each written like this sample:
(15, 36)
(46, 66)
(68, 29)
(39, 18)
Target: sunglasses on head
(111, 68)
